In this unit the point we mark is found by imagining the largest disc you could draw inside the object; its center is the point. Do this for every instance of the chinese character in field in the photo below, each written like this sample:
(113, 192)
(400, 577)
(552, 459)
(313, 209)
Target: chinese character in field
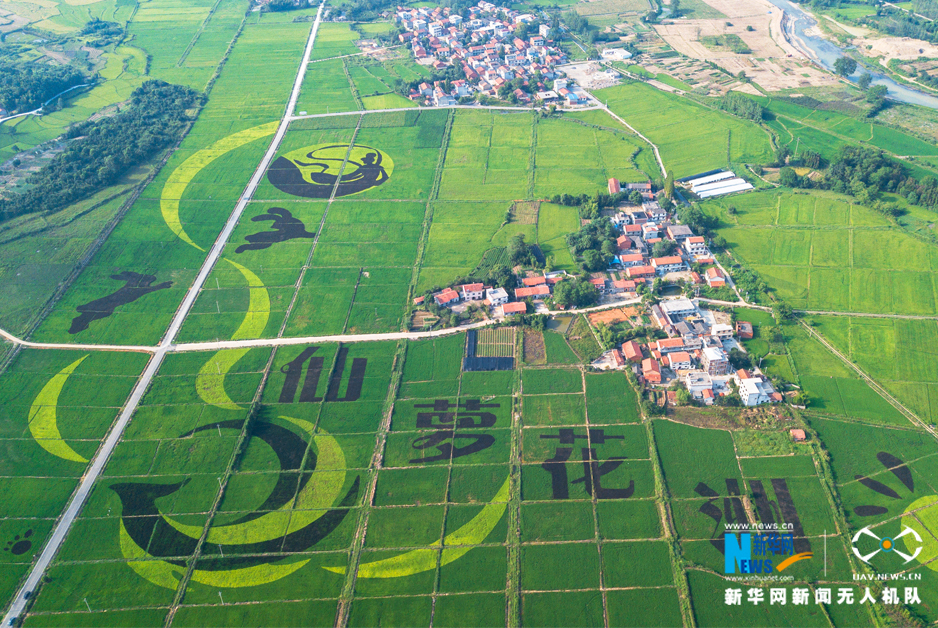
(755, 596)
(733, 597)
(799, 596)
(845, 595)
(778, 596)
(910, 595)
(449, 420)
(868, 598)
(593, 468)
(890, 595)
(822, 596)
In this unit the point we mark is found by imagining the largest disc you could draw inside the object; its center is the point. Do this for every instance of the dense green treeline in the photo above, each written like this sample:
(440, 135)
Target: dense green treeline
(25, 86)
(105, 149)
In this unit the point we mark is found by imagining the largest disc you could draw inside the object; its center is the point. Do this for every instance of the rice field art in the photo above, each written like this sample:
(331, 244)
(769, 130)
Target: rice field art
(314, 171)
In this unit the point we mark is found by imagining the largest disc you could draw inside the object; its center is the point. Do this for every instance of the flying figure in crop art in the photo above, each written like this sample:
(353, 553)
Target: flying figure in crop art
(136, 286)
(285, 227)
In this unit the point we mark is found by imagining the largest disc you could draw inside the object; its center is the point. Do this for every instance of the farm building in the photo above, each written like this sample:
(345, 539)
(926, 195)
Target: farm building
(715, 278)
(665, 265)
(680, 361)
(680, 232)
(744, 330)
(651, 371)
(718, 184)
(496, 296)
(640, 272)
(518, 307)
(534, 281)
(635, 259)
(632, 351)
(695, 245)
(678, 308)
(447, 297)
(668, 345)
(472, 292)
(614, 186)
(537, 292)
(798, 435)
(714, 361)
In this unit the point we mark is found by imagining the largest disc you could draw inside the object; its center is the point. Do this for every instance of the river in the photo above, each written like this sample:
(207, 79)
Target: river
(825, 52)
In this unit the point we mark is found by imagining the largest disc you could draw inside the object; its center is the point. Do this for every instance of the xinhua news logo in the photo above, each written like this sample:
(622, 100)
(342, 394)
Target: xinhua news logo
(770, 552)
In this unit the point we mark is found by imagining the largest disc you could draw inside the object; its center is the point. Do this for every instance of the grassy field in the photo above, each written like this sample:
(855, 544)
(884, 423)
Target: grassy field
(707, 139)
(820, 252)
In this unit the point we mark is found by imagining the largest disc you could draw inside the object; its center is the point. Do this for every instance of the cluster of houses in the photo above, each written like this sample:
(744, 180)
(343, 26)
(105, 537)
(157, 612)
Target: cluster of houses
(696, 352)
(500, 303)
(645, 226)
(484, 45)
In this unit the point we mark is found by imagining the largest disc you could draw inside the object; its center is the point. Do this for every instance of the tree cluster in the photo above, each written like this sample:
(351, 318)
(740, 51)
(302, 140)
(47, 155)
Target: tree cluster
(519, 252)
(582, 27)
(25, 86)
(596, 242)
(103, 31)
(105, 149)
(576, 293)
(741, 106)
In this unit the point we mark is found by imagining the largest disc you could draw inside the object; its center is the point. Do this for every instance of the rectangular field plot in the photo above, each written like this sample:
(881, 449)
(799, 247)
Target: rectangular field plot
(691, 456)
(487, 157)
(554, 223)
(831, 255)
(326, 89)
(411, 140)
(333, 40)
(610, 399)
(461, 234)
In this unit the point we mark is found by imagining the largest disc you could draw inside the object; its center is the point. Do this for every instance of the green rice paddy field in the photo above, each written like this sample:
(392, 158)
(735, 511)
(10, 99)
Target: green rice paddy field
(339, 486)
(378, 483)
(821, 252)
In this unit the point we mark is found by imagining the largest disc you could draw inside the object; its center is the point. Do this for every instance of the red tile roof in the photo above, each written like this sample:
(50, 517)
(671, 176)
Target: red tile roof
(632, 351)
(472, 287)
(515, 308)
(536, 291)
(534, 281)
(666, 261)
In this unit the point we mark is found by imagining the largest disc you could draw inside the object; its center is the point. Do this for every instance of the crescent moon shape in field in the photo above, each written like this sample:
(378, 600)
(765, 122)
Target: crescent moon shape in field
(927, 514)
(455, 545)
(254, 537)
(318, 494)
(180, 178)
(210, 381)
(43, 419)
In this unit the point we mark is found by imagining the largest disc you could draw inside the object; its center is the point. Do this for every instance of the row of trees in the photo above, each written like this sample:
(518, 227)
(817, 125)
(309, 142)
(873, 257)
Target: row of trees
(738, 105)
(105, 149)
(25, 86)
(863, 173)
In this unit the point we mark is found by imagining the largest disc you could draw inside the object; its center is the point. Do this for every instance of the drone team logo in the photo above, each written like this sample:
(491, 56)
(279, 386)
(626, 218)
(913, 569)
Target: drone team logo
(315, 171)
(887, 544)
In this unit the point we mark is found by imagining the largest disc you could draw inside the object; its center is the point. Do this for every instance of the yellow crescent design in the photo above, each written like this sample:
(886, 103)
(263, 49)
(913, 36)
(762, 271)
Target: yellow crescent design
(319, 494)
(210, 381)
(43, 423)
(420, 560)
(928, 517)
(167, 575)
(181, 177)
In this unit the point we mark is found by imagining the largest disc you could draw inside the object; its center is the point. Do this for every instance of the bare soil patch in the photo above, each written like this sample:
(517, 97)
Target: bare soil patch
(534, 351)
